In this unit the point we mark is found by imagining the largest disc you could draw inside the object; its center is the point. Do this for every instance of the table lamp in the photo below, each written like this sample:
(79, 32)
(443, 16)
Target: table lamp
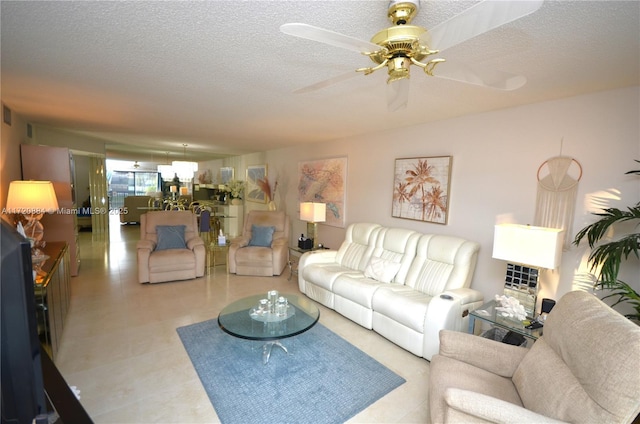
(32, 199)
(526, 249)
(313, 213)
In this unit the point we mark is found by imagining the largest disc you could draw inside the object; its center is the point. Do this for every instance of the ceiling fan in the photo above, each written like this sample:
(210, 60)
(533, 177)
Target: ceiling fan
(399, 47)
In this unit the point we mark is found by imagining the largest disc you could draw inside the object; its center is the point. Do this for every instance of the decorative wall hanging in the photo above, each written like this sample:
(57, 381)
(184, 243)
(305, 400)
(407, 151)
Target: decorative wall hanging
(557, 193)
(226, 174)
(254, 192)
(325, 181)
(421, 189)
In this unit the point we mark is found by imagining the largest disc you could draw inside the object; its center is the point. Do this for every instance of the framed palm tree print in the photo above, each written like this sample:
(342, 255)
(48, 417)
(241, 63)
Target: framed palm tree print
(421, 189)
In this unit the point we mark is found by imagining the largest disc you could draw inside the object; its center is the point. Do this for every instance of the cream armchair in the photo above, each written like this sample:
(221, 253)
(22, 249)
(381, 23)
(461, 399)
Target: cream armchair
(583, 370)
(170, 247)
(263, 247)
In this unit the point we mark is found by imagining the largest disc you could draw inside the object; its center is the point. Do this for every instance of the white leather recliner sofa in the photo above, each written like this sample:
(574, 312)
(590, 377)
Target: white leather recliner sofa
(404, 285)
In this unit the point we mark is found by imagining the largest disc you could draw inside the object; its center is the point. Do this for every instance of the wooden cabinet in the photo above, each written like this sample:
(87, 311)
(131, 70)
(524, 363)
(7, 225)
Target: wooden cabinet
(53, 291)
(55, 164)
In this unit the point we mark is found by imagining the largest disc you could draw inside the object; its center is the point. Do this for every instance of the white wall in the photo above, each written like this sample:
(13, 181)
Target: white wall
(10, 164)
(496, 157)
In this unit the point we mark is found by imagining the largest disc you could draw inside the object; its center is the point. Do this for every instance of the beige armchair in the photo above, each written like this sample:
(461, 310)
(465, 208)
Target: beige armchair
(583, 370)
(170, 247)
(263, 248)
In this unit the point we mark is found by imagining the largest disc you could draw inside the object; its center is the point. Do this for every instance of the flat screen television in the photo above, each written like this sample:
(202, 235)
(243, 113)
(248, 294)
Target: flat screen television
(23, 393)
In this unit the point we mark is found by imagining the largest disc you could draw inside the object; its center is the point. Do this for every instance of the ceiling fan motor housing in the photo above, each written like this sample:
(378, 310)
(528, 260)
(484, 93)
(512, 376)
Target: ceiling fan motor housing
(400, 41)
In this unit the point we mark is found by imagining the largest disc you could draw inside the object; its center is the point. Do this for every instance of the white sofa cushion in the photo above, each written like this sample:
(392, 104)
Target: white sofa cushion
(442, 263)
(403, 305)
(382, 270)
(356, 249)
(324, 275)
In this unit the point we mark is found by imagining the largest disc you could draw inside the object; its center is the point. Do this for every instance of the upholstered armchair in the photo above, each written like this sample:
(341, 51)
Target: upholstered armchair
(584, 369)
(263, 247)
(170, 247)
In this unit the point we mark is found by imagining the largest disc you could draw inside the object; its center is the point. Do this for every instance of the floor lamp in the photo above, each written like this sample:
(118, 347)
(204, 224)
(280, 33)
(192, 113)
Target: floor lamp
(32, 199)
(527, 249)
(313, 213)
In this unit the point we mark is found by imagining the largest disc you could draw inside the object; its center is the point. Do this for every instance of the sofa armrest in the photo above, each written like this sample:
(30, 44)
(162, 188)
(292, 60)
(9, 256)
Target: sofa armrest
(448, 311)
(239, 242)
(469, 406)
(496, 357)
(193, 242)
(280, 242)
(317, 257)
(144, 249)
(146, 244)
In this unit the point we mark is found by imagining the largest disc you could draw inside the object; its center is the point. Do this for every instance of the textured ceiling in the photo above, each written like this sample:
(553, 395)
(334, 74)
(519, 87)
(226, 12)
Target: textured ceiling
(219, 75)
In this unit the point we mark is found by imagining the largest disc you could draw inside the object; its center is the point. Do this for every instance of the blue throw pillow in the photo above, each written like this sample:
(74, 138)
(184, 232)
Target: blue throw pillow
(170, 237)
(261, 236)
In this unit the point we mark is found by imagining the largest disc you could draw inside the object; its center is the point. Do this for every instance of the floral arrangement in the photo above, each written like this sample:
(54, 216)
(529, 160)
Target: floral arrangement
(235, 188)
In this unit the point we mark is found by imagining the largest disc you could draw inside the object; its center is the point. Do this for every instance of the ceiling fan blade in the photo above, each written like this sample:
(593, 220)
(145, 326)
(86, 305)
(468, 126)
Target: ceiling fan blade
(476, 20)
(329, 37)
(398, 95)
(479, 76)
(326, 83)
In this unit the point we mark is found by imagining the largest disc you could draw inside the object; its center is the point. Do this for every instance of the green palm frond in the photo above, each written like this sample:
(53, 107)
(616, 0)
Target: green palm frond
(609, 256)
(624, 294)
(610, 216)
(606, 258)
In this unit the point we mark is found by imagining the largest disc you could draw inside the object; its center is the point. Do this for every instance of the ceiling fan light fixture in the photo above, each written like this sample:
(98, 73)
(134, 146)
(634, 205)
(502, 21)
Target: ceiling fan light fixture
(398, 69)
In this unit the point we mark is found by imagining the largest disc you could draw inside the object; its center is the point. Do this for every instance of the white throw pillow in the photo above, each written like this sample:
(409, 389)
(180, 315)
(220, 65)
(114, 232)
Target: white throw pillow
(381, 269)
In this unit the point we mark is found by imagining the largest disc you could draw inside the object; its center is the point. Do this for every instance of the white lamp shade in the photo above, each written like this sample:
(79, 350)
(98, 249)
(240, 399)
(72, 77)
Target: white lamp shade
(534, 246)
(184, 169)
(31, 197)
(313, 212)
(166, 171)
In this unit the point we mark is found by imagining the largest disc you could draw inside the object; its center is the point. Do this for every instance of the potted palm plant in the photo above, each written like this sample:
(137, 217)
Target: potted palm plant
(607, 257)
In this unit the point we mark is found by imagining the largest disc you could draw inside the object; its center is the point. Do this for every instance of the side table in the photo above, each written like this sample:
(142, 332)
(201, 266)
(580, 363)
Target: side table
(296, 252)
(214, 249)
(488, 313)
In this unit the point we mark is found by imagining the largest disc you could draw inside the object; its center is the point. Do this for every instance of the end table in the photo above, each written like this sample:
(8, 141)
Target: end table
(212, 248)
(488, 313)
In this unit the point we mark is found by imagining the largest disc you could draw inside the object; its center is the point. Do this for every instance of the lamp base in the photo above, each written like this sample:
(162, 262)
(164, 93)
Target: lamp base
(312, 233)
(521, 282)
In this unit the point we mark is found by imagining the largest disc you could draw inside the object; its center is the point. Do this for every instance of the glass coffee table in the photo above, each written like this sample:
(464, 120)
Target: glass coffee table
(243, 319)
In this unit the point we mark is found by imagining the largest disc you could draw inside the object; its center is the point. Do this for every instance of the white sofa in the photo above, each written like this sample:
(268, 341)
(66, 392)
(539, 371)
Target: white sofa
(404, 285)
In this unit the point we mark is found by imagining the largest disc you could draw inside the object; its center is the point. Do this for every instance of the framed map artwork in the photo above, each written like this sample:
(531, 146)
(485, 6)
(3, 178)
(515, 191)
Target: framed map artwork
(254, 193)
(325, 181)
(421, 189)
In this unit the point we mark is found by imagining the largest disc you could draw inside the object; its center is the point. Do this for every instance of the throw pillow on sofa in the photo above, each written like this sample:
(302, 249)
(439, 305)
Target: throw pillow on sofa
(261, 236)
(381, 270)
(171, 237)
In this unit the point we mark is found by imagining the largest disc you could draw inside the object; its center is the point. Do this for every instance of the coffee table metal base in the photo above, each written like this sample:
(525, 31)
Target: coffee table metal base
(268, 347)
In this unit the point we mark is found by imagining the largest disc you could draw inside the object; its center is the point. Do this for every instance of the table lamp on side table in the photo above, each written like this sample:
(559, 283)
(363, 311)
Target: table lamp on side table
(313, 213)
(32, 199)
(527, 249)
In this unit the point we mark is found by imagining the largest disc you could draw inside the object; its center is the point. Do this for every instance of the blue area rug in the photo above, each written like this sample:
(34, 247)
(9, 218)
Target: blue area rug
(324, 379)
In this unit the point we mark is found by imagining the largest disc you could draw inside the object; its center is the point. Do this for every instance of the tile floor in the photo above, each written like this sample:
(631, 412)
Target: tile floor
(121, 349)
